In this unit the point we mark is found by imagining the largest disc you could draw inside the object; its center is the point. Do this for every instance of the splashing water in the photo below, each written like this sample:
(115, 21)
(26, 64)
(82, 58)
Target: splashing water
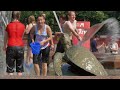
(111, 26)
(113, 29)
(5, 18)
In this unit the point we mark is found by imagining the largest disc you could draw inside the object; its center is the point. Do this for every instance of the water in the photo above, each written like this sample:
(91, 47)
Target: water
(57, 21)
(111, 26)
(113, 29)
(5, 18)
(92, 31)
(2, 56)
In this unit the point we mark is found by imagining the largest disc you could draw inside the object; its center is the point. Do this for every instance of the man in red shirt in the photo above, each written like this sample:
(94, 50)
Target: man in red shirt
(13, 44)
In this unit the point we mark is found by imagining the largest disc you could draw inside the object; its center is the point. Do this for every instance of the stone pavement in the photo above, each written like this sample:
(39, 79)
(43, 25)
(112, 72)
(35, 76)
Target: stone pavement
(114, 73)
(58, 77)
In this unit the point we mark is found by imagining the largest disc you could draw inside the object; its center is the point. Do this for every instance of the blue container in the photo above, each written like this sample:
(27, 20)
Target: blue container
(35, 47)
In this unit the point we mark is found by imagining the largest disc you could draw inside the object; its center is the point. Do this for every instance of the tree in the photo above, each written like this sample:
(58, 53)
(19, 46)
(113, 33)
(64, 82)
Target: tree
(93, 16)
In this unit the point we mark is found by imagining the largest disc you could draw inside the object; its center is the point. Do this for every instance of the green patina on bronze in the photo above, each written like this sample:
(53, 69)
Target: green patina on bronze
(84, 59)
(78, 55)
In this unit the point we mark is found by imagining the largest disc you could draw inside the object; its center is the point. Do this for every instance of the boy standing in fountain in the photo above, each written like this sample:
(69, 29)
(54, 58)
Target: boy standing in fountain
(13, 44)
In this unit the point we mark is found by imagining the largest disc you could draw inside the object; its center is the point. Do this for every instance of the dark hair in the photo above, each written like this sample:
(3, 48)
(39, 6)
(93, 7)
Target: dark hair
(96, 36)
(16, 14)
(63, 17)
(42, 15)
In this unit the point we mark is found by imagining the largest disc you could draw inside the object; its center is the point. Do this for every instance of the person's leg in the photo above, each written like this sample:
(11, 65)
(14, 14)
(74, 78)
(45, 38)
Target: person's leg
(36, 64)
(19, 60)
(45, 60)
(27, 58)
(30, 55)
(29, 52)
(44, 69)
(37, 69)
(10, 61)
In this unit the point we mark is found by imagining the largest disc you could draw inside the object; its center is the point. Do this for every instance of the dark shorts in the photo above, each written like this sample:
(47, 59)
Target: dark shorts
(14, 54)
(43, 56)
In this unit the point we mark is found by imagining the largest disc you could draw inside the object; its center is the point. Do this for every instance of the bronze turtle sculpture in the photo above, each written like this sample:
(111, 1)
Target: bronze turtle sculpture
(79, 56)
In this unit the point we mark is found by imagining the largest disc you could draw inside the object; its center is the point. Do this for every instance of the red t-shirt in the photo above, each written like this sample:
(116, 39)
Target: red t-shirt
(15, 33)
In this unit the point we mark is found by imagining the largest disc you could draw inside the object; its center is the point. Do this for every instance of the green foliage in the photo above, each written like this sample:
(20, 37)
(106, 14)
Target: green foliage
(92, 16)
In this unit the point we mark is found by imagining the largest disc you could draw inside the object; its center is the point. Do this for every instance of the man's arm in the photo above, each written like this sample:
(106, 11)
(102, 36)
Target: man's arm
(70, 27)
(101, 45)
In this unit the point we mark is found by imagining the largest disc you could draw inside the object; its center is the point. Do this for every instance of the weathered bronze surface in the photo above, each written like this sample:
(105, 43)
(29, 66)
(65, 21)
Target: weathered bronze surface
(80, 57)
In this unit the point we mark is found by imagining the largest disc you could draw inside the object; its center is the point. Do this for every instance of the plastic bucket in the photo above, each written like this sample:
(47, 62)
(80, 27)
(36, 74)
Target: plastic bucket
(35, 47)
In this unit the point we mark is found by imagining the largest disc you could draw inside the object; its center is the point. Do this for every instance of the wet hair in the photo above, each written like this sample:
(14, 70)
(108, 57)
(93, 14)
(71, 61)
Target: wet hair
(16, 14)
(69, 12)
(42, 15)
(32, 18)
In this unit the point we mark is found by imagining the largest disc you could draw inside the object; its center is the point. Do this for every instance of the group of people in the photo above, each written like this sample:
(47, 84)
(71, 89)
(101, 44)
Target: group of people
(112, 46)
(37, 32)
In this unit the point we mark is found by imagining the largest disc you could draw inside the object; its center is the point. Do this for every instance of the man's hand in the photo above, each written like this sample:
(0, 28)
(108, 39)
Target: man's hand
(79, 38)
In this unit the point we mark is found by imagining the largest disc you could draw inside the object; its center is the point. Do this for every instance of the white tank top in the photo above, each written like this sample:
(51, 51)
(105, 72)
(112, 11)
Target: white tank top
(42, 36)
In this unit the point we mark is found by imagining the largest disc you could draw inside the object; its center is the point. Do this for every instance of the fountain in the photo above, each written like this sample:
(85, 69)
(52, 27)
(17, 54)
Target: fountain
(67, 69)
(112, 26)
(2, 54)
(109, 60)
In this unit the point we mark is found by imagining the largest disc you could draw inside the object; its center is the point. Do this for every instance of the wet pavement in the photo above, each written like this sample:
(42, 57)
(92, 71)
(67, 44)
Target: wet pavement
(30, 74)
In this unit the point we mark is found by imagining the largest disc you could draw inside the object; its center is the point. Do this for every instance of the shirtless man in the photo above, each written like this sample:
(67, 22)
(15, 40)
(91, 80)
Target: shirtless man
(70, 26)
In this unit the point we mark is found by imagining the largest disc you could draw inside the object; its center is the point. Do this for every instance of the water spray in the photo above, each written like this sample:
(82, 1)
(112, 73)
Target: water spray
(57, 21)
(3, 19)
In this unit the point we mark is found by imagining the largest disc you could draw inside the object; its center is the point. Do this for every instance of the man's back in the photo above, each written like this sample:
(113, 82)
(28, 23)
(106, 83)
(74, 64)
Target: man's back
(15, 33)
